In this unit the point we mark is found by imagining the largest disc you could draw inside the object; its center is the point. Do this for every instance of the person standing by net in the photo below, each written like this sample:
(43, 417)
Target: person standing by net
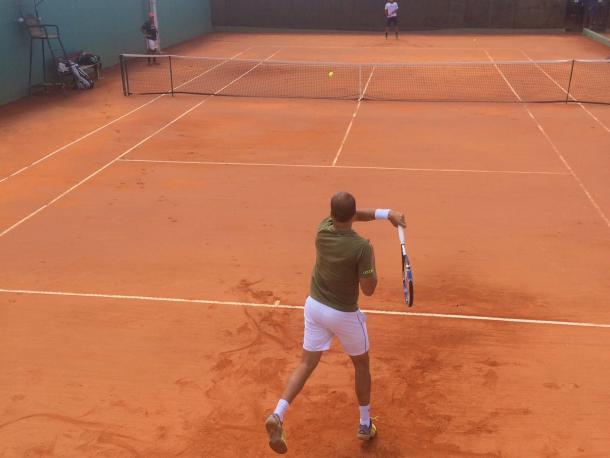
(345, 262)
(149, 29)
(391, 17)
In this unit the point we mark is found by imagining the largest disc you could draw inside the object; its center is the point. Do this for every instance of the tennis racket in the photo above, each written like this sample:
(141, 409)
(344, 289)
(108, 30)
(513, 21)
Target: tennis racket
(407, 275)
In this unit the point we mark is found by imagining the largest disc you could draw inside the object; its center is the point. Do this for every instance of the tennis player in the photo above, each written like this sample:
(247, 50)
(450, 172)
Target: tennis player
(344, 262)
(391, 17)
(151, 33)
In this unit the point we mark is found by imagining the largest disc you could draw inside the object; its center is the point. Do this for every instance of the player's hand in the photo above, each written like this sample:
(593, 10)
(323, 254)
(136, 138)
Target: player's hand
(397, 219)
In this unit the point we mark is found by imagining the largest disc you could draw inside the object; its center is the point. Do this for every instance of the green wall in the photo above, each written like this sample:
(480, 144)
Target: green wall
(105, 27)
(369, 15)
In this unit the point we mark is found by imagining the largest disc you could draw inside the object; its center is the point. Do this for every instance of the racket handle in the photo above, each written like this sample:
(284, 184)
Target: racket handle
(401, 234)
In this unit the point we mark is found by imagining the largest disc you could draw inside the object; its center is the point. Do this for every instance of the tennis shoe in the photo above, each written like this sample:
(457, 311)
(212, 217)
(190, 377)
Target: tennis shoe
(277, 438)
(365, 432)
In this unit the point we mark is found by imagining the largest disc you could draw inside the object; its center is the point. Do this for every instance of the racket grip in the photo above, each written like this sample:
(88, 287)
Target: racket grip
(401, 234)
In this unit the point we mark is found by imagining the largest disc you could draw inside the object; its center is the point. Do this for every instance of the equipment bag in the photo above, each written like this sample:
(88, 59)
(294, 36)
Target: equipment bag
(81, 79)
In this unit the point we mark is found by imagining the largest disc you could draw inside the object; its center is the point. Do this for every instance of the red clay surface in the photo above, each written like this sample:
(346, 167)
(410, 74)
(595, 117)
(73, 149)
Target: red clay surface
(502, 222)
(224, 131)
(487, 251)
(107, 378)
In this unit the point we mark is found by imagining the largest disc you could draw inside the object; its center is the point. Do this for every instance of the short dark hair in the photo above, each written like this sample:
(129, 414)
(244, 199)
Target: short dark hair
(342, 207)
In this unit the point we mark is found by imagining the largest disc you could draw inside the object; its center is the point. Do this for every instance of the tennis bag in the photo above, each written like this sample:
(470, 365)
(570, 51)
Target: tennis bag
(81, 79)
(63, 67)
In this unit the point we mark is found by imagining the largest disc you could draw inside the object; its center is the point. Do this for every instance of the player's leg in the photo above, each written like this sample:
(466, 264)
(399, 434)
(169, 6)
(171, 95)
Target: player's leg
(275, 422)
(309, 361)
(396, 29)
(317, 339)
(387, 24)
(366, 429)
(353, 335)
(363, 379)
(154, 50)
(149, 50)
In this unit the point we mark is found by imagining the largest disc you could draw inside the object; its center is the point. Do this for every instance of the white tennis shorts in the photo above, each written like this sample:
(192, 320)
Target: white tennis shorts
(322, 323)
(151, 44)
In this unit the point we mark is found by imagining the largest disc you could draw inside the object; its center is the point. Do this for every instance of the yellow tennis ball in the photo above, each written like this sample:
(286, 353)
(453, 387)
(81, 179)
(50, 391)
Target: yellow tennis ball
(331, 74)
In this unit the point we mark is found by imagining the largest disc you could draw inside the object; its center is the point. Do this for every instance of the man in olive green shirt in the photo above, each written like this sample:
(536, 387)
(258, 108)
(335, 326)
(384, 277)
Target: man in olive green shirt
(345, 262)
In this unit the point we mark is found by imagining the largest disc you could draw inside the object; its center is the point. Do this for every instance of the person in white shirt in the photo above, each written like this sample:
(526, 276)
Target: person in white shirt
(149, 29)
(391, 17)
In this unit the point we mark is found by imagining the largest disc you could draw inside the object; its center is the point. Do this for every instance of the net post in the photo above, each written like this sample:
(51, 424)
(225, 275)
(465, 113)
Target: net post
(360, 95)
(122, 65)
(171, 75)
(570, 83)
(124, 75)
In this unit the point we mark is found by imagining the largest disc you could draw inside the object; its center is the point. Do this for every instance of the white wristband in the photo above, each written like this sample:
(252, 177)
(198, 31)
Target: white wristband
(382, 213)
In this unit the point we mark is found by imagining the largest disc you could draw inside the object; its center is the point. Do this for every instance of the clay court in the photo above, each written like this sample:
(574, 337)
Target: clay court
(156, 252)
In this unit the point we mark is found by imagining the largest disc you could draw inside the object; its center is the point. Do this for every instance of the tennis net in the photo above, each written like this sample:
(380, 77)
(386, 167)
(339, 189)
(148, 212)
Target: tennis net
(508, 81)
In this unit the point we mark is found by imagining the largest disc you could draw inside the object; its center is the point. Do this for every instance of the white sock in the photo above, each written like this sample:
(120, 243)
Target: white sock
(281, 407)
(365, 416)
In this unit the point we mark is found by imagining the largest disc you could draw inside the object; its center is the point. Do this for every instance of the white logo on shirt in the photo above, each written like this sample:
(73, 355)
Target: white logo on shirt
(391, 8)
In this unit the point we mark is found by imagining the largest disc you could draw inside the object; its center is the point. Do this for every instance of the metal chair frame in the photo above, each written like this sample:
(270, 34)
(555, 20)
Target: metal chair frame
(45, 33)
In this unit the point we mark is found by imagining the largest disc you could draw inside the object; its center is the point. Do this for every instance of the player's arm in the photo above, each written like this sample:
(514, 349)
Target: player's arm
(369, 214)
(368, 285)
(367, 272)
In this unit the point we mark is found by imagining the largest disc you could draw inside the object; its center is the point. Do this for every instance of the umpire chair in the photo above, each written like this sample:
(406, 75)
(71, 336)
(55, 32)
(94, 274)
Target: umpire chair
(47, 34)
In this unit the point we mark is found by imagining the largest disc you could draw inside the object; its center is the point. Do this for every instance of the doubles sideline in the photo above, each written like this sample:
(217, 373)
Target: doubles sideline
(127, 151)
(553, 146)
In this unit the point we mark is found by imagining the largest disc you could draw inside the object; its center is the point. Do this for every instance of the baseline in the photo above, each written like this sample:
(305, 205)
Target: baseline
(278, 305)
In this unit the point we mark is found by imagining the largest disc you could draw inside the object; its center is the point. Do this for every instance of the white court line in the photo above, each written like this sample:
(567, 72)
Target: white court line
(355, 167)
(211, 68)
(349, 127)
(60, 149)
(595, 118)
(419, 48)
(300, 307)
(173, 121)
(503, 77)
(557, 152)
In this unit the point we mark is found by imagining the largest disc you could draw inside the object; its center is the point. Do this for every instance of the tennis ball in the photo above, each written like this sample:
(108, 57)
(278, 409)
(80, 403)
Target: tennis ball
(331, 74)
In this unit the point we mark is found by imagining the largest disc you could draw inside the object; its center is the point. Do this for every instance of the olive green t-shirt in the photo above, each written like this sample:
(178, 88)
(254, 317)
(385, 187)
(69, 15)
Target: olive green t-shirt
(342, 256)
